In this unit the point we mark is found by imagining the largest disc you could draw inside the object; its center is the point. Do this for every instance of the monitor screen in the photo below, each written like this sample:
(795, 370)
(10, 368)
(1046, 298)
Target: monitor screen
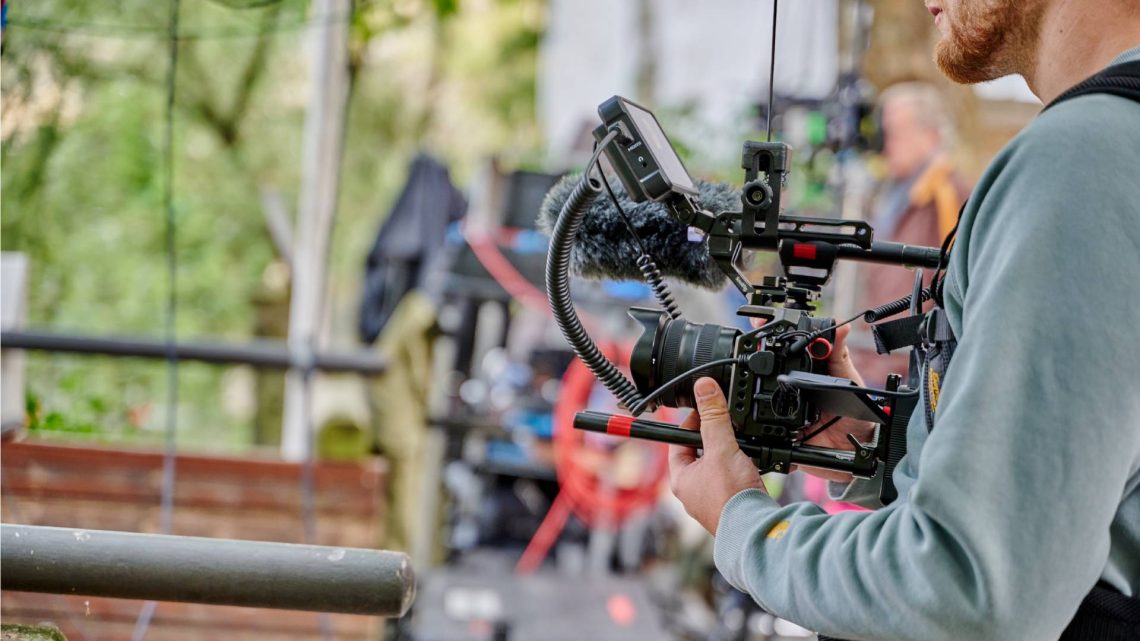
(658, 143)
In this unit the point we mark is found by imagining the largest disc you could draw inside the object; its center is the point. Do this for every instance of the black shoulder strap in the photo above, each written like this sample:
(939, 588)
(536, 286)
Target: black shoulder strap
(1105, 615)
(897, 334)
(1119, 80)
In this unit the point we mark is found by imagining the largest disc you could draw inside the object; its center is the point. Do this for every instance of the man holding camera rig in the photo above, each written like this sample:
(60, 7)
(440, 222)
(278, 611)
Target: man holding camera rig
(1019, 515)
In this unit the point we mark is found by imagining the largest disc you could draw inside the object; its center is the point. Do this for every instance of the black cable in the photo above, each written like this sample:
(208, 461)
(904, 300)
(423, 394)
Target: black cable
(938, 281)
(599, 147)
(895, 307)
(621, 212)
(799, 345)
(772, 70)
(562, 239)
(645, 262)
(820, 430)
(169, 460)
(680, 378)
(657, 283)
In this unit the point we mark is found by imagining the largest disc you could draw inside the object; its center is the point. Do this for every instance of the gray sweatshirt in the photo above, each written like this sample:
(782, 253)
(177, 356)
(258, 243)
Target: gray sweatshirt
(1028, 491)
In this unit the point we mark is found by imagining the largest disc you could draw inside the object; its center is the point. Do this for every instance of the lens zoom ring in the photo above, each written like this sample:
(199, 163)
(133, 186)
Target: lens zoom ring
(671, 351)
(706, 342)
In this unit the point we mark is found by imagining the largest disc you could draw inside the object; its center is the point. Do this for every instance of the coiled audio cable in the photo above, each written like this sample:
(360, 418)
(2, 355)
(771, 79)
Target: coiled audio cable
(660, 288)
(895, 307)
(558, 291)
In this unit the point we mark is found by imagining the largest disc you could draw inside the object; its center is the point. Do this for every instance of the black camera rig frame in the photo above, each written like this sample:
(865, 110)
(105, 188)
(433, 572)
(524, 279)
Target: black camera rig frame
(775, 380)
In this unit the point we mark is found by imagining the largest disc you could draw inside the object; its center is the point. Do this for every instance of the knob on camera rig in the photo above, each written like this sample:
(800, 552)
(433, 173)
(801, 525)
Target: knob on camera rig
(774, 377)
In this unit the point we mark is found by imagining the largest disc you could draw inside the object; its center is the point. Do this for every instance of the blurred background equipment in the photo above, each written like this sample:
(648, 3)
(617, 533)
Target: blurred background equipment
(411, 238)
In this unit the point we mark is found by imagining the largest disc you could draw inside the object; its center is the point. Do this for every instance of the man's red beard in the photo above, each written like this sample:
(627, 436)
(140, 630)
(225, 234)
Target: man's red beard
(988, 39)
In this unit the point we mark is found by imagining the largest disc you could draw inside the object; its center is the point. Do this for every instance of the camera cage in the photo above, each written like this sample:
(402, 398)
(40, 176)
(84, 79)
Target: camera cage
(643, 159)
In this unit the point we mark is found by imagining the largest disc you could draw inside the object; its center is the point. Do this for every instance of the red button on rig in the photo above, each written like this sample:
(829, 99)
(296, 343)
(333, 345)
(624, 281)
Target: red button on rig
(819, 349)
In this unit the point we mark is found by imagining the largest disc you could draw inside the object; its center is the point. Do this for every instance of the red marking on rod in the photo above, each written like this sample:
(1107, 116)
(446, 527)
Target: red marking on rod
(619, 425)
(804, 251)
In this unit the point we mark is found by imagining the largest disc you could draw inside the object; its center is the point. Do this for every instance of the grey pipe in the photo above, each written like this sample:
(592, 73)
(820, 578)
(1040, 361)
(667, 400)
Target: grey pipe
(202, 570)
(261, 353)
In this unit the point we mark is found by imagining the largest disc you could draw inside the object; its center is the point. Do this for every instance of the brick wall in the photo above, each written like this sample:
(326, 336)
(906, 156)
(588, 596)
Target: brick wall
(217, 497)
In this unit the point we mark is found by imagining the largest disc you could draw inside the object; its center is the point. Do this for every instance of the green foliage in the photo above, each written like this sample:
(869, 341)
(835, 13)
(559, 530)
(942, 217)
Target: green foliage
(19, 632)
(83, 88)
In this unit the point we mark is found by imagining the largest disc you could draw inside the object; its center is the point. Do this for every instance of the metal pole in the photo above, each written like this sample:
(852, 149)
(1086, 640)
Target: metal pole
(271, 354)
(13, 302)
(189, 569)
(320, 180)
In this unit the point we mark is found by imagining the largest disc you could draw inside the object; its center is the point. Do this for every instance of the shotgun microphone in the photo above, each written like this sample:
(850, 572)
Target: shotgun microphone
(605, 249)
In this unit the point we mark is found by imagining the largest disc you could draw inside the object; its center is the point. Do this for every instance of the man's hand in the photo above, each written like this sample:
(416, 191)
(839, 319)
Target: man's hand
(706, 483)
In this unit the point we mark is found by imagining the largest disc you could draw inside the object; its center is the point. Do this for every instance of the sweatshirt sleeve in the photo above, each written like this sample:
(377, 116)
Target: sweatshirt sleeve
(1007, 526)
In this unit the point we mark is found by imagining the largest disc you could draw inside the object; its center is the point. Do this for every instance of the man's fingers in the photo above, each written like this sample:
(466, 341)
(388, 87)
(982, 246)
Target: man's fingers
(682, 455)
(717, 434)
(840, 360)
(839, 354)
(841, 334)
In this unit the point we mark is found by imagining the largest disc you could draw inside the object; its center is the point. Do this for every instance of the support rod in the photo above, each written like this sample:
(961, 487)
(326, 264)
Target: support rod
(189, 569)
(645, 429)
(889, 253)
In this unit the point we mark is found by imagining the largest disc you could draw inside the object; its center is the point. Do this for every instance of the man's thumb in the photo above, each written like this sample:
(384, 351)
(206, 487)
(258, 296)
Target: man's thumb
(716, 426)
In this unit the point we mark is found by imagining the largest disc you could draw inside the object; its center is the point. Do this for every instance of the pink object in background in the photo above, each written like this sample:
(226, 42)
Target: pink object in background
(815, 490)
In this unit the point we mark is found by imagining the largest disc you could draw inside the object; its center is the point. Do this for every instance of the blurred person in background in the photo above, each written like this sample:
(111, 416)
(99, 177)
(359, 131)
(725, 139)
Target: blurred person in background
(917, 204)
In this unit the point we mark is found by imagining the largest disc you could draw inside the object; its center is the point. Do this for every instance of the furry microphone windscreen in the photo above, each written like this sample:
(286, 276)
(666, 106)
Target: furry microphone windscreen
(605, 249)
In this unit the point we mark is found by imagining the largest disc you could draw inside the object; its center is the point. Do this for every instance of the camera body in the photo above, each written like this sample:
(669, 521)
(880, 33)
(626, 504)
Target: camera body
(762, 408)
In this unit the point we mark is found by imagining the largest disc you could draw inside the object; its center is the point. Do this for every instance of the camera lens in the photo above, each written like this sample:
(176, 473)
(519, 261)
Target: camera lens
(670, 347)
